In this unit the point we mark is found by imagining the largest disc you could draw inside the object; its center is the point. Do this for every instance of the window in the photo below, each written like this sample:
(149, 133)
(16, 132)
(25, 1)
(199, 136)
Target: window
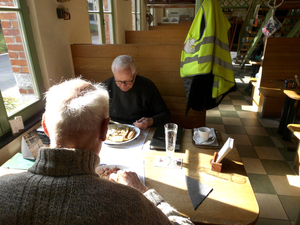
(101, 32)
(21, 82)
(136, 14)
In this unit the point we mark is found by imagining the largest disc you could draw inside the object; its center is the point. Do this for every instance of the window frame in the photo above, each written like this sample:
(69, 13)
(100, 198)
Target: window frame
(135, 13)
(30, 111)
(100, 13)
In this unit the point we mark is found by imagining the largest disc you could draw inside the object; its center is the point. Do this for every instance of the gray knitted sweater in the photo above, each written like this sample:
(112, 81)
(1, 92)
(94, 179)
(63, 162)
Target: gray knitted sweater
(62, 187)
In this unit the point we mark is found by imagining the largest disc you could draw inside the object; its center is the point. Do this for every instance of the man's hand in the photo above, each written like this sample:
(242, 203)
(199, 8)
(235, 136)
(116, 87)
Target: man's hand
(130, 179)
(143, 123)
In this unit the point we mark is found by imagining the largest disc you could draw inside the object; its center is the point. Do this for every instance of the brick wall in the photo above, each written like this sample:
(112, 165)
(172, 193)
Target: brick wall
(107, 23)
(17, 54)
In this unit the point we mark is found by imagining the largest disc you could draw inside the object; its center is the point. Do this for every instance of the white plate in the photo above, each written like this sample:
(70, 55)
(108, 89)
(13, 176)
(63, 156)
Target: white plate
(126, 168)
(111, 126)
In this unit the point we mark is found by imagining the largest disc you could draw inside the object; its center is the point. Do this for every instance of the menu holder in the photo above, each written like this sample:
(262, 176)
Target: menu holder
(217, 164)
(214, 165)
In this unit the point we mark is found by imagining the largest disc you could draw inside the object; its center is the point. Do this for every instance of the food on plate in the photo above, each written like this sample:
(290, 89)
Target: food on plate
(106, 172)
(121, 133)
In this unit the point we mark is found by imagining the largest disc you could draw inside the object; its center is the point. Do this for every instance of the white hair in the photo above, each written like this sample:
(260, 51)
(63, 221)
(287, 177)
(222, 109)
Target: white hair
(123, 62)
(75, 107)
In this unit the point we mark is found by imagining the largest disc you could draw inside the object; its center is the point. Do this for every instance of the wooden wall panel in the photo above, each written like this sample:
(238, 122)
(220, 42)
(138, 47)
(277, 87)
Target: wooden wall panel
(169, 27)
(281, 60)
(156, 37)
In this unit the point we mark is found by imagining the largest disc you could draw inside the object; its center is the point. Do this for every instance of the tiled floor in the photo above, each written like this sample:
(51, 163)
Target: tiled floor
(267, 160)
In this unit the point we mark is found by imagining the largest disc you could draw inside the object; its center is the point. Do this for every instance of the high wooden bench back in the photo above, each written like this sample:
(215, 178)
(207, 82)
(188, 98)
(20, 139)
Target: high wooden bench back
(160, 63)
(156, 37)
(280, 61)
(169, 26)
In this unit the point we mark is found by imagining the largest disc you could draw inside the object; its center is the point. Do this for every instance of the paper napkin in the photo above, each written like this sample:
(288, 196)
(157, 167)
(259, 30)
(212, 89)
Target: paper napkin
(197, 191)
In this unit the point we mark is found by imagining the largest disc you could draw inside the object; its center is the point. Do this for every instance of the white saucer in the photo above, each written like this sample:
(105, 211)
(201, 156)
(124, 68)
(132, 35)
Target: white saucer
(198, 140)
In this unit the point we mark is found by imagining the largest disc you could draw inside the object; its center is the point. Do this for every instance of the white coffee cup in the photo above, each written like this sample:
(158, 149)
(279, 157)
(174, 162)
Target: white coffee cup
(203, 133)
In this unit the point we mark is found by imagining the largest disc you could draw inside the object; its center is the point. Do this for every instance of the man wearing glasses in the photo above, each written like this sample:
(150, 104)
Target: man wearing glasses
(134, 99)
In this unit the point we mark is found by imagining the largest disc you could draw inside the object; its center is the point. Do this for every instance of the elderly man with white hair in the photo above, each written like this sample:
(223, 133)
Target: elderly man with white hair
(134, 99)
(62, 187)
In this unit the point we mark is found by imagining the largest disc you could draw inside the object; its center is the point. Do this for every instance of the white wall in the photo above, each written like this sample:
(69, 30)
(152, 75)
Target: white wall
(54, 36)
(122, 12)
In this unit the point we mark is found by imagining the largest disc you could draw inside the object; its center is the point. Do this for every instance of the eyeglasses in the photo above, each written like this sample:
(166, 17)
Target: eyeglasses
(125, 82)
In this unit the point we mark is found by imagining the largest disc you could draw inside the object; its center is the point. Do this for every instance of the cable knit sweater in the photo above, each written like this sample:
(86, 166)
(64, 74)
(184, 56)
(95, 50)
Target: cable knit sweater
(62, 187)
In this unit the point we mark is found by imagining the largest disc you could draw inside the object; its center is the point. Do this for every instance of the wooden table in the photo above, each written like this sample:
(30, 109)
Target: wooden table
(232, 200)
(290, 109)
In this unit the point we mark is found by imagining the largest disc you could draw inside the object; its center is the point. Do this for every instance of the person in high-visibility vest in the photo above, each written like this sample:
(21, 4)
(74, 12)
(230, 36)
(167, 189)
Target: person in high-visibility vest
(205, 59)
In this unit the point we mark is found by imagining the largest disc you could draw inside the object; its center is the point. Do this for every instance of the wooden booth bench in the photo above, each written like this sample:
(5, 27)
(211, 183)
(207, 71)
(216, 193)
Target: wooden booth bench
(166, 37)
(182, 25)
(160, 63)
(280, 61)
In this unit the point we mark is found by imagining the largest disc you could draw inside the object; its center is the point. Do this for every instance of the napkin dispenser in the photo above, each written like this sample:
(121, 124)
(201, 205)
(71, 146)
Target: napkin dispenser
(215, 166)
(216, 163)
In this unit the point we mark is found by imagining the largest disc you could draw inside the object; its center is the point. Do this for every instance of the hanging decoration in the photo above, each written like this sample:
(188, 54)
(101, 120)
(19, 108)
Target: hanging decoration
(273, 24)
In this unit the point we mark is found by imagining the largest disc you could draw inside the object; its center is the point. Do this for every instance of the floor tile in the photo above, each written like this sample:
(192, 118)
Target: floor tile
(240, 139)
(261, 184)
(246, 151)
(213, 113)
(249, 99)
(287, 155)
(271, 153)
(256, 131)
(261, 141)
(226, 102)
(234, 129)
(214, 120)
(277, 141)
(239, 102)
(225, 98)
(238, 108)
(236, 97)
(217, 127)
(232, 114)
(231, 121)
(269, 123)
(270, 207)
(253, 165)
(226, 107)
(249, 108)
(277, 167)
(291, 205)
(265, 221)
(236, 93)
(251, 122)
(244, 114)
(284, 185)
(271, 131)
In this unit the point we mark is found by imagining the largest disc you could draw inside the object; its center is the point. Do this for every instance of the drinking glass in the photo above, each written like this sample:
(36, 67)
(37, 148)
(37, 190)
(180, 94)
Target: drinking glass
(170, 134)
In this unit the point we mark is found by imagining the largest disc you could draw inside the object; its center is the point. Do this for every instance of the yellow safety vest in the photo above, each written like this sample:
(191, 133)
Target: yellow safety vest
(206, 48)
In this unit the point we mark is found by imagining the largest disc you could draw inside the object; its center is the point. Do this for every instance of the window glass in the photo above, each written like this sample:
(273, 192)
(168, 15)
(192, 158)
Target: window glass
(20, 79)
(107, 5)
(101, 21)
(95, 29)
(108, 29)
(16, 82)
(135, 11)
(93, 5)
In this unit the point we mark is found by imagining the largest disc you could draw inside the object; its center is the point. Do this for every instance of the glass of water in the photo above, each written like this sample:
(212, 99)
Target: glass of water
(170, 134)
